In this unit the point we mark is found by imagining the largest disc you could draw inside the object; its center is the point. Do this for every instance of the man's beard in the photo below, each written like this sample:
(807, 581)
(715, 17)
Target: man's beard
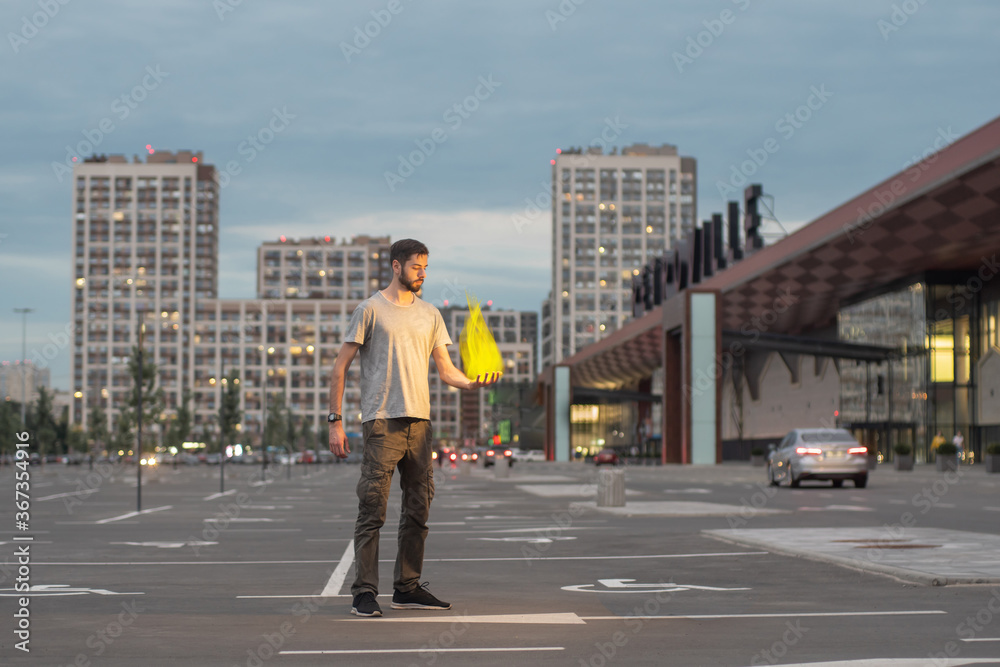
(413, 286)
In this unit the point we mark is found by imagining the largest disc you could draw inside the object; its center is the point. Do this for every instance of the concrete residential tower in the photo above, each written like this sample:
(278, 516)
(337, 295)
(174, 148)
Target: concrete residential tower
(610, 215)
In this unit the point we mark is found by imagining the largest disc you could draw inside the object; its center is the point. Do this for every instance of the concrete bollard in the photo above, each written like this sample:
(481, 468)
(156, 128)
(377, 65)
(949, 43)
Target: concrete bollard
(611, 487)
(501, 469)
(465, 467)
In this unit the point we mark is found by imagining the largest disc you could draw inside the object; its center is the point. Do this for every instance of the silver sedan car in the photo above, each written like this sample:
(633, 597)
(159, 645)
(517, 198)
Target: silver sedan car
(818, 453)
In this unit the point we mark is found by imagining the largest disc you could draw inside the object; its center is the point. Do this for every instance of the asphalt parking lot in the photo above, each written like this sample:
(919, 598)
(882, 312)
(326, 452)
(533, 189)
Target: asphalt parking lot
(703, 566)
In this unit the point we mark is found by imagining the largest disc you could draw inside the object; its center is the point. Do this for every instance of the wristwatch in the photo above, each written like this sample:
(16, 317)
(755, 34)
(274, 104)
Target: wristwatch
(333, 417)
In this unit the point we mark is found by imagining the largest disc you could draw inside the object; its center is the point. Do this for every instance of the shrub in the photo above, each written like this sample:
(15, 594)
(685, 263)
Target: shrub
(902, 449)
(947, 449)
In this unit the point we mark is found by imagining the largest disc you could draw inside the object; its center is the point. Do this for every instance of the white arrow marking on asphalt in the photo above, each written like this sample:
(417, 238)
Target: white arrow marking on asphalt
(623, 586)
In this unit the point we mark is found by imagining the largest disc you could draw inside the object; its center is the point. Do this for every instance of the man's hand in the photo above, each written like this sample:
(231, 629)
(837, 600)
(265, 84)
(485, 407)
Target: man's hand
(483, 380)
(338, 440)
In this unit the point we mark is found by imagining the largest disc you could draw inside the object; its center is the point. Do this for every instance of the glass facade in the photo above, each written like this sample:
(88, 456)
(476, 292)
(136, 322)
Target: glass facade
(942, 331)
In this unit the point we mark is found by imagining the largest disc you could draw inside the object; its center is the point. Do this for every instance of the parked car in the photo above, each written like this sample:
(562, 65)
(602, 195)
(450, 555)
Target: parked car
(607, 457)
(818, 453)
(529, 455)
(492, 455)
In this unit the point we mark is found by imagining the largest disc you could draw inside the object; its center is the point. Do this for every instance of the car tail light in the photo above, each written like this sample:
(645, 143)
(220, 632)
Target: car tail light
(454, 456)
(475, 457)
(465, 457)
(808, 451)
(507, 452)
(489, 452)
(857, 450)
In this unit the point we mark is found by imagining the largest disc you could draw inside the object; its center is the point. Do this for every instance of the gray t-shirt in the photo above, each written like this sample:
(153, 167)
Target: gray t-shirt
(396, 346)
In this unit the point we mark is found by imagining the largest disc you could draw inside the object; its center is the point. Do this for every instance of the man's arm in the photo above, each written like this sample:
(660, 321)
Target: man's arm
(338, 439)
(456, 378)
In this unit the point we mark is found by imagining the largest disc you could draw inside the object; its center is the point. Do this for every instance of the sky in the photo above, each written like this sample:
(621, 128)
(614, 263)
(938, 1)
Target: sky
(372, 142)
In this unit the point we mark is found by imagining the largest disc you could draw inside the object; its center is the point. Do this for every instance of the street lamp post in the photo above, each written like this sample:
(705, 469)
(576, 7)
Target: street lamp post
(24, 367)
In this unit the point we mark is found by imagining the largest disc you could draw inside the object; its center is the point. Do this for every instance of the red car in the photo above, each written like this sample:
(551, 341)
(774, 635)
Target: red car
(606, 456)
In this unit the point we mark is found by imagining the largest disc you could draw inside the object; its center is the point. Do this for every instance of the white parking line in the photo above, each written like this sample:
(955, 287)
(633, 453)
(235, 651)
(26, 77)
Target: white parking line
(504, 649)
(477, 560)
(132, 514)
(220, 494)
(64, 495)
(336, 581)
(982, 639)
(706, 617)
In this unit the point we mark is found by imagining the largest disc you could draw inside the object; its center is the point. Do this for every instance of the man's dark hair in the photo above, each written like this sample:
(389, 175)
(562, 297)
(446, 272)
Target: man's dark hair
(403, 249)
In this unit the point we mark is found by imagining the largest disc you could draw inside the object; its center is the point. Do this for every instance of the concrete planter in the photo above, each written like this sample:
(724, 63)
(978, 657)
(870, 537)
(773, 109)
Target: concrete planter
(946, 462)
(903, 462)
(757, 460)
(992, 463)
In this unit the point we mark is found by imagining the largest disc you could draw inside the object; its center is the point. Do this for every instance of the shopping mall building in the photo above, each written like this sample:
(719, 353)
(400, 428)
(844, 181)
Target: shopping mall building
(880, 316)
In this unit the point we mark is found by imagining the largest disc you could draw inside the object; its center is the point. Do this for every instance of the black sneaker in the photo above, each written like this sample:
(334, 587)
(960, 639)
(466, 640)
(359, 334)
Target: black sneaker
(418, 598)
(366, 605)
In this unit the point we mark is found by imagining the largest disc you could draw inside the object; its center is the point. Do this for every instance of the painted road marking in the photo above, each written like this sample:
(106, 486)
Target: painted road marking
(899, 662)
(568, 618)
(65, 495)
(336, 581)
(425, 650)
(711, 617)
(220, 494)
(240, 519)
(644, 556)
(982, 639)
(168, 545)
(623, 586)
(529, 540)
(50, 590)
(132, 514)
(843, 508)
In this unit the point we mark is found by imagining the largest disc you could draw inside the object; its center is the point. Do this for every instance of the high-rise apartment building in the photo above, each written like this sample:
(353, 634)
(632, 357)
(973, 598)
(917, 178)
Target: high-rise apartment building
(610, 215)
(319, 268)
(145, 239)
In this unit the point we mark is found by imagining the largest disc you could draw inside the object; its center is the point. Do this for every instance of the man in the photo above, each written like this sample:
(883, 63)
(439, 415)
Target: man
(396, 334)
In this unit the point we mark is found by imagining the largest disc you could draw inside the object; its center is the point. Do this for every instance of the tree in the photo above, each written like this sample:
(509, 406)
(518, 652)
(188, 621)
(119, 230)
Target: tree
(180, 426)
(230, 414)
(42, 423)
(306, 435)
(144, 382)
(122, 439)
(10, 423)
(100, 436)
(276, 427)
